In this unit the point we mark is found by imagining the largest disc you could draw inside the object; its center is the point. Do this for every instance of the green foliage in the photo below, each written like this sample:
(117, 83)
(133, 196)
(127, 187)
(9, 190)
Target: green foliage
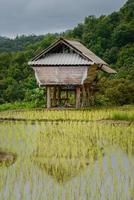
(17, 105)
(117, 91)
(100, 100)
(122, 116)
(123, 34)
(19, 43)
(125, 57)
(36, 95)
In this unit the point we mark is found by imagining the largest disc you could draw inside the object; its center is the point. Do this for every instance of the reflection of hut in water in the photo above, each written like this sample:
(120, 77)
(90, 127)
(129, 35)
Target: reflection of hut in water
(60, 169)
(68, 67)
(62, 158)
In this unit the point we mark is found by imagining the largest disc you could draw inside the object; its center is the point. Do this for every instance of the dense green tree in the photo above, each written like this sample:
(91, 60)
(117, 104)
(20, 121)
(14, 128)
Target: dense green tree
(123, 34)
(115, 92)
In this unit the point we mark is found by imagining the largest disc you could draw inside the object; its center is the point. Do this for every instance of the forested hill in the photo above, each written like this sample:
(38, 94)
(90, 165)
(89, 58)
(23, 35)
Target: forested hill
(110, 37)
(19, 43)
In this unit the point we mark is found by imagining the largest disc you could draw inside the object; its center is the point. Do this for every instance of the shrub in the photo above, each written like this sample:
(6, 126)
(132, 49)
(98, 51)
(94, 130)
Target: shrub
(36, 95)
(117, 91)
(101, 100)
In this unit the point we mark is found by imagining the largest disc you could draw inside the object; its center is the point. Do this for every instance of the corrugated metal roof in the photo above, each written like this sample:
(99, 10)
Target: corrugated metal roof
(80, 49)
(79, 46)
(60, 75)
(61, 59)
(91, 56)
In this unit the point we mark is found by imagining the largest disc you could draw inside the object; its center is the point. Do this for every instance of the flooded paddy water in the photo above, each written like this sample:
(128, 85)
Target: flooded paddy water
(67, 160)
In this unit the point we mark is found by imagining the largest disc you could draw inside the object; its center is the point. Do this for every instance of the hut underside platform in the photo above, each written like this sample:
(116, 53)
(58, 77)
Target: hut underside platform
(68, 96)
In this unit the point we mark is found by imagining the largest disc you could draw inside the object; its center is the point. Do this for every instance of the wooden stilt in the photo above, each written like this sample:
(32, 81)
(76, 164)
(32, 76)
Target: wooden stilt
(66, 98)
(89, 97)
(48, 97)
(77, 97)
(58, 95)
(83, 96)
(54, 96)
(67, 95)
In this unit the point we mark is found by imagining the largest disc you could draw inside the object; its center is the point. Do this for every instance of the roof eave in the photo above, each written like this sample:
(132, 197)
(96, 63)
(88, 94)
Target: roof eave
(107, 69)
(61, 65)
(63, 84)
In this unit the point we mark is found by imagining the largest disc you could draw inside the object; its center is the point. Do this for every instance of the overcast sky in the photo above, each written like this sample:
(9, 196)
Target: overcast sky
(19, 17)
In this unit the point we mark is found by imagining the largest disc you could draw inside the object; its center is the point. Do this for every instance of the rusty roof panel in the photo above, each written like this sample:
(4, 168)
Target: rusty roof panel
(61, 59)
(60, 75)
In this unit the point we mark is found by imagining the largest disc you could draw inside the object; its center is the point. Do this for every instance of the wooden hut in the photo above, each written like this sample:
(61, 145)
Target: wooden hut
(67, 66)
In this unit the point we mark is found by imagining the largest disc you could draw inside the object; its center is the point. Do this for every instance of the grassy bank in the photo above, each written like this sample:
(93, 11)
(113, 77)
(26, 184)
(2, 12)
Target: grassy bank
(17, 105)
(14, 112)
(123, 116)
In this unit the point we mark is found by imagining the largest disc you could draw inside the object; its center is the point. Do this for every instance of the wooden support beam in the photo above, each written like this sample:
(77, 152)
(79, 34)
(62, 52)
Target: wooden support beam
(77, 97)
(66, 102)
(89, 95)
(67, 94)
(58, 95)
(83, 96)
(54, 96)
(48, 97)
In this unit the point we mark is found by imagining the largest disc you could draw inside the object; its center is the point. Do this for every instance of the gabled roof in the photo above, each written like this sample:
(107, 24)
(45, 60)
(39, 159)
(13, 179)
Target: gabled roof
(64, 59)
(84, 56)
(86, 52)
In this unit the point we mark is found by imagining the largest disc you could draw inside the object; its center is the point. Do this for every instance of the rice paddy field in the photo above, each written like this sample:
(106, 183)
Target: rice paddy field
(67, 154)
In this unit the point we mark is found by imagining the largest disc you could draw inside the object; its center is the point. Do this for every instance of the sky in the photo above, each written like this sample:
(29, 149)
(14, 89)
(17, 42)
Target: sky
(19, 17)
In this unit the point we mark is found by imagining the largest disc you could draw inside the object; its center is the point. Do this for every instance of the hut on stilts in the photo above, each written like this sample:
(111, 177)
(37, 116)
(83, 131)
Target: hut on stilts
(67, 67)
